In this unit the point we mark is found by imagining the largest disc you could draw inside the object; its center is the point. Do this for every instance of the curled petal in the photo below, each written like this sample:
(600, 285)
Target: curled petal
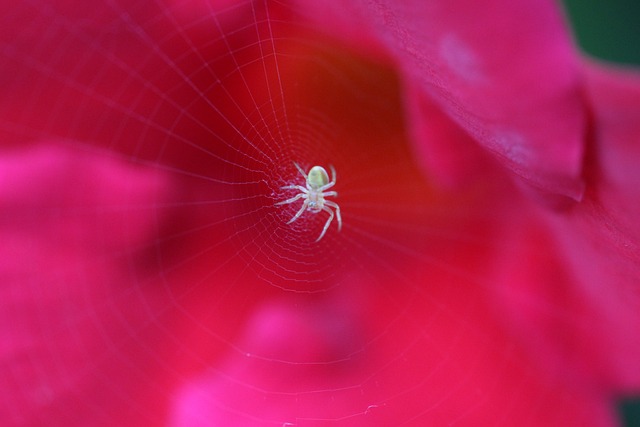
(504, 71)
(583, 316)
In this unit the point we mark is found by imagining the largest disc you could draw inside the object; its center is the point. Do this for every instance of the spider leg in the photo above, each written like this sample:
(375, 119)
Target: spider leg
(300, 170)
(333, 180)
(327, 224)
(302, 209)
(295, 187)
(326, 186)
(291, 200)
(330, 193)
(337, 208)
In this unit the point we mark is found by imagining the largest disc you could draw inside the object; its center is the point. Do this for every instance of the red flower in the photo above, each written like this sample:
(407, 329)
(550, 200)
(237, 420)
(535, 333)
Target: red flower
(486, 271)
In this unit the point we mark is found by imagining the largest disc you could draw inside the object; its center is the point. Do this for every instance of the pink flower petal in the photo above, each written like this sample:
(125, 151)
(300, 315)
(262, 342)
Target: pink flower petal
(583, 315)
(601, 237)
(73, 327)
(114, 309)
(448, 154)
(333, 363)
(504, 71)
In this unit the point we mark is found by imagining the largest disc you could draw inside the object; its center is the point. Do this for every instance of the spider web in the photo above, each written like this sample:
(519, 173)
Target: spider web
(164, 286)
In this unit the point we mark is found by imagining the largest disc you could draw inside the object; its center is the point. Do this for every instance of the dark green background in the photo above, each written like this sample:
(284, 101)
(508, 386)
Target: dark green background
(610, 30)
(607, 29)
(629, 409)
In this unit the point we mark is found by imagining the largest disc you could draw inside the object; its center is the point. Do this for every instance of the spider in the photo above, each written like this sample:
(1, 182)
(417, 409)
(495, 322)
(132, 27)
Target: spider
(317, 181)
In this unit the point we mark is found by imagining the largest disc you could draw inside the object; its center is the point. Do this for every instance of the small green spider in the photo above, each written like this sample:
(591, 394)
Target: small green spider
(317, 181)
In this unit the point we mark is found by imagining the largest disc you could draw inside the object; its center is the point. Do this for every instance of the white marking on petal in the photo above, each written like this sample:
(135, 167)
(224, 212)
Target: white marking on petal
(513, 146)
(460, 59)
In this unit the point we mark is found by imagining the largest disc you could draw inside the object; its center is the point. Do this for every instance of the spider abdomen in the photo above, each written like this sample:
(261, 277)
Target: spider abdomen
(318, 177)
